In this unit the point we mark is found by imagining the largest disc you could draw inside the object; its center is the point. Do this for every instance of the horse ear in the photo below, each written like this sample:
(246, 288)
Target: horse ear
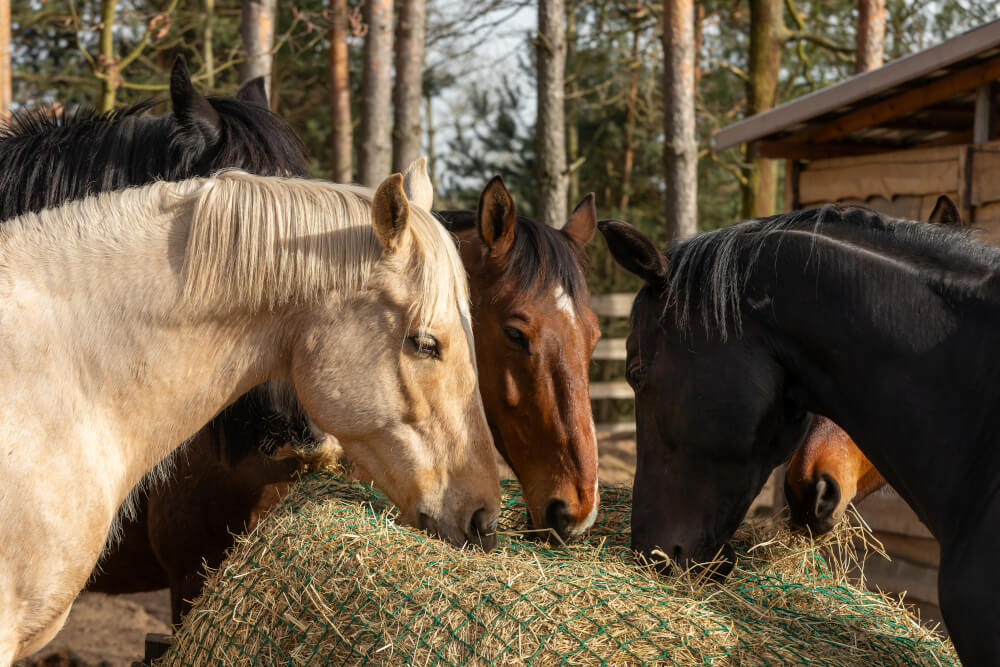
(582, 221)
(946, 213)
(634, 251)
(417, 184)
(496, 218)
(253, 92)
(192, 109)
(390, 212)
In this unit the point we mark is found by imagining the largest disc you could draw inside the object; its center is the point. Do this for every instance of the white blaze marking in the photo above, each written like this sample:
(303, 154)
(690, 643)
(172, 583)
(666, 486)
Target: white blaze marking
(588, 521)
(563, 302)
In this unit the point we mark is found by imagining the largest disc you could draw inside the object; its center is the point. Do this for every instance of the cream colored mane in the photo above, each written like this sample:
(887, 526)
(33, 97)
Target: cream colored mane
(266, 242)
(253, 242)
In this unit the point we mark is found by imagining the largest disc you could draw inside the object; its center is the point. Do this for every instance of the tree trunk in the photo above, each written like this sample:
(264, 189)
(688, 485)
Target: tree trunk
(431, 160)
(680, 152)
(209, 46)
(407, 94)
(766, 43)
(871, 35)
(376, 94)
(633, 98)
(572, 103)
(6, 79)
(106, 59)
(550, 129)
(257, 30)
(340, 95)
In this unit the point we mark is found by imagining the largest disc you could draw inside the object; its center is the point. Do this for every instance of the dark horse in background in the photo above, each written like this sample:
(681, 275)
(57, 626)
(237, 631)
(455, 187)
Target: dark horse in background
(47, 158)
(888, 327)
(828, 472)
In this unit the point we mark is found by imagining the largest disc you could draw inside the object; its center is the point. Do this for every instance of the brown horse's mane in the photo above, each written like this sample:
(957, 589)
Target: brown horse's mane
(540, 258)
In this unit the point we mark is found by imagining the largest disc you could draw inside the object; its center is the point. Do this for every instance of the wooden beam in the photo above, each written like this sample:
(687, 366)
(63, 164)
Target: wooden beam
(795, 150)
(984, 127)
(964, 184)
(792, 169)
(612, 305)
(615, 389)
(610, 349)
(904, 103)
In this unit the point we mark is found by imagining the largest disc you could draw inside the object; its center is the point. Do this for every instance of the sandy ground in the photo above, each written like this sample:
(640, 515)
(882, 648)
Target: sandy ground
(111, 630)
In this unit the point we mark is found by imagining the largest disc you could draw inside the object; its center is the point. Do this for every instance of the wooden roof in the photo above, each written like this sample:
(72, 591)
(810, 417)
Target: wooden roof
(927, 98)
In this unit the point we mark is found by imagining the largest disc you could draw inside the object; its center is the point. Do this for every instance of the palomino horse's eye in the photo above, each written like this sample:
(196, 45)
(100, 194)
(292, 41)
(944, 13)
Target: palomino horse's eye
(426, 345)
(517, 337)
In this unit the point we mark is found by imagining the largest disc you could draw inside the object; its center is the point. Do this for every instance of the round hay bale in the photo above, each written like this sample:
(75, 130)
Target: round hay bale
(329, 577)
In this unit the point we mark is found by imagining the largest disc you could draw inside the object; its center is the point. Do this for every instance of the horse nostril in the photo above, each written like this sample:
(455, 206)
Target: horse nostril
(827, 494)
(557, 517)
(483, 529)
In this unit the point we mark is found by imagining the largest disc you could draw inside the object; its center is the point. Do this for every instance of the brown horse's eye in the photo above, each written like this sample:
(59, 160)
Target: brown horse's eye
(426, 345)
(517, 337)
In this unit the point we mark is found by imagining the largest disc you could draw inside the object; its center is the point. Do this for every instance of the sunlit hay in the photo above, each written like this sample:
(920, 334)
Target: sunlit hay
(329, 577)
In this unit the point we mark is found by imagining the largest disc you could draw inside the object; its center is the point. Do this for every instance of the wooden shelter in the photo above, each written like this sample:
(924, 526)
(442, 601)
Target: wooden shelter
(894, 139)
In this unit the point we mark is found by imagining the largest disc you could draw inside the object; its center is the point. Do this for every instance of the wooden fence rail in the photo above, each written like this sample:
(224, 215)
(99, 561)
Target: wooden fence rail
(612, 349)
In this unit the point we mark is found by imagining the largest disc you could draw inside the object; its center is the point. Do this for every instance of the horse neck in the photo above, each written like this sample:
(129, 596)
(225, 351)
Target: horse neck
(101, 318)
(906, 376)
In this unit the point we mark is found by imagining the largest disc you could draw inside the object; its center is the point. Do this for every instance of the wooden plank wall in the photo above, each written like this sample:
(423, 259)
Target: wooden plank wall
(906, 184)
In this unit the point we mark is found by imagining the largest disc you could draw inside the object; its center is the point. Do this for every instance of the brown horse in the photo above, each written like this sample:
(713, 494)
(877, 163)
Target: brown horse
(534, 336)
(828, 472)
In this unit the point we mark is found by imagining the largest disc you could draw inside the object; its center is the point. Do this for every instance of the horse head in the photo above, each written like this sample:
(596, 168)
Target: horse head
(391, 374)
(535, 335)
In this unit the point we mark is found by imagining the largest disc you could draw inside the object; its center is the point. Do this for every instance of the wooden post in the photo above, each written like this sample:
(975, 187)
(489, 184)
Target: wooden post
(964, 185)
(792, 169)
(984, 126)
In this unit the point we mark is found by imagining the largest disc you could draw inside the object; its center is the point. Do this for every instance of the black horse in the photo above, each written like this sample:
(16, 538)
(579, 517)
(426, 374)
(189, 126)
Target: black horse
(48, 157)
(888, 327)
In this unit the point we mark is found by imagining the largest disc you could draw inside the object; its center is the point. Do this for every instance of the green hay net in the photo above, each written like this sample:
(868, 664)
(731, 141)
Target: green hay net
(330, 578)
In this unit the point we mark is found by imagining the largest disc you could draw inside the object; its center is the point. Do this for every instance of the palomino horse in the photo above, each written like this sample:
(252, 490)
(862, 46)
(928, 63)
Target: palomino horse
(535, 335)
(888, 327)
(130, 319)
(828, 472)
(49, 158)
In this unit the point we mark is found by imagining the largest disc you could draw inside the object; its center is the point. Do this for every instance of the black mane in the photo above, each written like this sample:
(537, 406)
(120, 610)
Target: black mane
(49, 157)
(710, 270)
(540, 258)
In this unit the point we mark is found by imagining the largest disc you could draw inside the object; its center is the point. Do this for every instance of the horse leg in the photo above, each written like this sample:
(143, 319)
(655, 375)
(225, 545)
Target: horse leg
(969, 603)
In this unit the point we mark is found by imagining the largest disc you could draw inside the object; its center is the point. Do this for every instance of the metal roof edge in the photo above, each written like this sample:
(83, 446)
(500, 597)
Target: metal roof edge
(860, 86)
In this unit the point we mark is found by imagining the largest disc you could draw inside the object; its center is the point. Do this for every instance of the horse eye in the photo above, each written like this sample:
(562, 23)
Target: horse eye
(634, 375)
(516, 336)
(426, 345)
